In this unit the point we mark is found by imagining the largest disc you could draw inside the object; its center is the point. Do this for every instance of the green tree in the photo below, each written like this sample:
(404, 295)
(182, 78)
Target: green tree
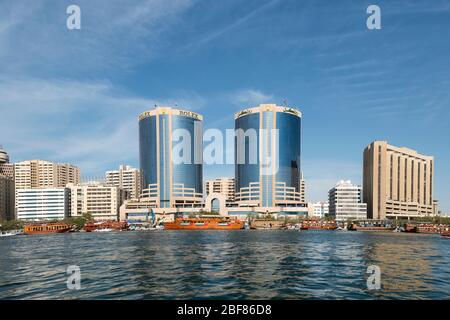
(11, 225)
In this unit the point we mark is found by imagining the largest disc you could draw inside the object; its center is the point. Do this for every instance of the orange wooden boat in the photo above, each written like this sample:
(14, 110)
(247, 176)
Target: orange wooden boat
(428, 228)
(204, 223)
(45, 228)
(113, 225)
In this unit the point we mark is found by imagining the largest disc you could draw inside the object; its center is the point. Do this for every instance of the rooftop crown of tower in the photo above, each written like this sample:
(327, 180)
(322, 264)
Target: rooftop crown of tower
(4, 158)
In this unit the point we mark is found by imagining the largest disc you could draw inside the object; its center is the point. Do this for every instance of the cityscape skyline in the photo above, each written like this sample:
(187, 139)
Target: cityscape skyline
(360, 92)
(105, 172)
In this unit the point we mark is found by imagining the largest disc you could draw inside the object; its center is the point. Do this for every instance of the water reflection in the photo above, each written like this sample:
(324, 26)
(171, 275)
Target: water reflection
(225, 265)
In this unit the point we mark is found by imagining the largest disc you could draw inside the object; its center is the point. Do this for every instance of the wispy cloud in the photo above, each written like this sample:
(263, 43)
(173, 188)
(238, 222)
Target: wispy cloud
(113, 37)
(211, 36)
(250, 98)
(92, 124)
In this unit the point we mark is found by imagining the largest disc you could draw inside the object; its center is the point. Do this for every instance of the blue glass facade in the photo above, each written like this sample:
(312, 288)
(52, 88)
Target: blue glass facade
(155, 145)
(148, 151)
(190, 174)
(289, 127)
(246, 172)
(283, 183)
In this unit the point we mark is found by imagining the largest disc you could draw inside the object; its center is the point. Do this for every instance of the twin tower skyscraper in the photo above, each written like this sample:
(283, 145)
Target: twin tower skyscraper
(267, 150)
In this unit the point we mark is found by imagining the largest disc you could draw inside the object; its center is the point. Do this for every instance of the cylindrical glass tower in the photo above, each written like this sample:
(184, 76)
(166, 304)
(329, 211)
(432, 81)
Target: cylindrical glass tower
(170, 147)
(267, 156)
(4, 158)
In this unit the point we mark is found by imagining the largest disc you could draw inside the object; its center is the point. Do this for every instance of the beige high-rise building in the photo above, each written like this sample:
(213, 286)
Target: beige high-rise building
(397, 182)
(102, 202)
(224, 186)
(44, 174)
(6, 198)
(126, 178)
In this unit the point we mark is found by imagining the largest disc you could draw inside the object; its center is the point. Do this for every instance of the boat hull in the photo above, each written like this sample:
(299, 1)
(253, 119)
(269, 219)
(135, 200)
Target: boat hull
(204, 224)
(427, 231)
(113, 225)
(49, 232)
(374, 228)
(46, 229)
(267, 225)
(172, 226)
(318, 225)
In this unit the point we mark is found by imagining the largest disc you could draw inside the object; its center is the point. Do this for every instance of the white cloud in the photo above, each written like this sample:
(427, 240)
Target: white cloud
(250, 97)
(114, 35)
(86, 123)
(213, 35)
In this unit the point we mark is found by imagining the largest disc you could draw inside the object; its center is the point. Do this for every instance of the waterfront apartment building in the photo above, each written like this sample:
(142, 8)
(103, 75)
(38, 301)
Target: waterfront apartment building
(6, 168)
(345, 202)
(7, 205)
(267, 156)
(223, 186)
(100, 201)
(44, 174)
(318, 210)
(398, 182)
(43, 204)
(126, 178)
(168, 181)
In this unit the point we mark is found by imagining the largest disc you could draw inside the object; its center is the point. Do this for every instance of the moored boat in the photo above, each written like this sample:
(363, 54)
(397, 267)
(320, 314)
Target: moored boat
(11, 233)
(410, 228)
(445, 232)
(267, 224)
(426, 228)
(6, 234)
(372, 225)
(204, 223)
(46, 228)
(319, 225)
(429, 228)
(105, 225)
(374, 228)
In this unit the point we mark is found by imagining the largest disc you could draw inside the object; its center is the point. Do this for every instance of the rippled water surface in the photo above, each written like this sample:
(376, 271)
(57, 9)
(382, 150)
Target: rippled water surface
(225, 265)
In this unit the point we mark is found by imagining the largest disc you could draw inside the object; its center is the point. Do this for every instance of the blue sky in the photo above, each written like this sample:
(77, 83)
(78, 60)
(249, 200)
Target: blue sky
(74, 96)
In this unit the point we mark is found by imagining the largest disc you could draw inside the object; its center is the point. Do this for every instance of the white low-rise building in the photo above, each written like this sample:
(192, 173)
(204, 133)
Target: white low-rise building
(43, 204)
(345, 202)
(319, 209)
